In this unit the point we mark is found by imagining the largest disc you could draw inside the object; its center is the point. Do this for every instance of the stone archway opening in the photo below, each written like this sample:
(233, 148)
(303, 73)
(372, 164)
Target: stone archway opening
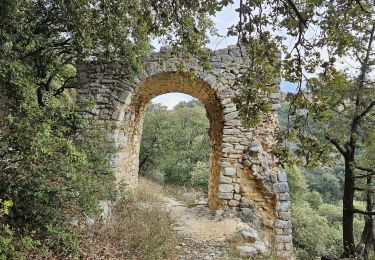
(133, 118)
(175, 145)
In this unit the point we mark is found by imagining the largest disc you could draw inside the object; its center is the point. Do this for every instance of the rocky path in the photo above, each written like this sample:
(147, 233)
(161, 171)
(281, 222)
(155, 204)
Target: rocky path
(207, 235)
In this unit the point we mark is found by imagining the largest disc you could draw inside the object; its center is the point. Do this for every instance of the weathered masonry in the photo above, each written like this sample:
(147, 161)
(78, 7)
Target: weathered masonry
(243, 173)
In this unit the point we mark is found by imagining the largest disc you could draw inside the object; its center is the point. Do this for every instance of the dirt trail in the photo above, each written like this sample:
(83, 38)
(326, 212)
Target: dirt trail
(204, 234)
(199, 223)
(201, 232)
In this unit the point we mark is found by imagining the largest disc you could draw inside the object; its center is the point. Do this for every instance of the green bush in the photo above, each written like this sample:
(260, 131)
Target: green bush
(312, 235)
(54, 171)
(199, 176)
(314, 199)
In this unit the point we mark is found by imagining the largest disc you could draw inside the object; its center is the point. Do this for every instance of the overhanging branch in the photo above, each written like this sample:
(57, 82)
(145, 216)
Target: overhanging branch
(372, 213)
(336, 144)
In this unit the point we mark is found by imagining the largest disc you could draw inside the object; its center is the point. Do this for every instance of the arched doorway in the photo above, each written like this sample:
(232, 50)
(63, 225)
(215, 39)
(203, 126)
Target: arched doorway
(133, 116)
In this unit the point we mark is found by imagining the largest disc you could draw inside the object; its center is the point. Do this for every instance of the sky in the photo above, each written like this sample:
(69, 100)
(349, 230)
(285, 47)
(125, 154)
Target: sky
(224, 19)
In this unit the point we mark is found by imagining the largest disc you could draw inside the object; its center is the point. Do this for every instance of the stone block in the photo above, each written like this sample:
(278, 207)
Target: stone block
(231, 131)
(247, 163)
(229, 110)
(276, 95)
(281, 187)
(239, 147)
(226, 58)
(283, 223)
(284, 196)
(283, 206)
(235, 156)
(236, 188)
(231, 115)
(225, 179)
(237, 197)
(226, 188)
(247, 212)
(279, 231)
(210, 79)
(247, 251)
(233, 203)
(283, 239)
(226, 195)
(289, 246)
(275, 107)
(273, 178)
(250, 235)
(254, 148)
(230, 171)
(282, 177)
(261, 247)
(284, 215)
(245, 203)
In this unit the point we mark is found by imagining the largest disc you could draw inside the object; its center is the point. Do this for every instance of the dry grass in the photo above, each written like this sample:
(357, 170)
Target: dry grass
(186, 194)
(141, 233)
(136, 230)
(149, 191)
(154, 192)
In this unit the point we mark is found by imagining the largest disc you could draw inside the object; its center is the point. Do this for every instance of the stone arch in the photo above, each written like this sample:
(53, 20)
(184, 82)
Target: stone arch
(244, 171)
(167, 82)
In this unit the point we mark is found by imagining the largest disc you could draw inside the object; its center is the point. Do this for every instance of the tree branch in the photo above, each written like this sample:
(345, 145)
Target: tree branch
(67, 84)
(364, 212)
(336, 144)
(367, 110)
(370, 171)
(299, 15)
(365, 169)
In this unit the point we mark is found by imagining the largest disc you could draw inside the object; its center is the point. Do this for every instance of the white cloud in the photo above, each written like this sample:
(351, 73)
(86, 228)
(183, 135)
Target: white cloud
(171, 99)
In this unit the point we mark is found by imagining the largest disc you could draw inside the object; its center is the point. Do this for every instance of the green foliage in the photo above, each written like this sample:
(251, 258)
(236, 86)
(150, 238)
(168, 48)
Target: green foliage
(260, 80)
(317, 227)
(333, 108)
(175, 142)
(199, 176)
(311, 233)
(314, 199)
(5, 205)
(60, 173)
(7, 249)
(52, 167)
(297, 184)
(328, 182)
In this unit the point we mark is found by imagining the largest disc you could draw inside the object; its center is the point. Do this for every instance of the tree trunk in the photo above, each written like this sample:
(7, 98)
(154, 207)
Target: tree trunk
(367, 237)
(144, 160)
(348, 214)
(364, 247)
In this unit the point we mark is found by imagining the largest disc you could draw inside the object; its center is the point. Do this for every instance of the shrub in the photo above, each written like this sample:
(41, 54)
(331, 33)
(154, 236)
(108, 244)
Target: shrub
(59, 173)
(314, 199)
(199, 176)
(312, 235)
(135, 231)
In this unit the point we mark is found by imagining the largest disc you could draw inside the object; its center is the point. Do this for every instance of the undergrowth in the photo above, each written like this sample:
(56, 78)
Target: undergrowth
(135, 230)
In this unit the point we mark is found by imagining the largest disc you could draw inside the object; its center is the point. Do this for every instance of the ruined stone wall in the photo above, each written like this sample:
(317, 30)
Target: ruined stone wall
(244, 175)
